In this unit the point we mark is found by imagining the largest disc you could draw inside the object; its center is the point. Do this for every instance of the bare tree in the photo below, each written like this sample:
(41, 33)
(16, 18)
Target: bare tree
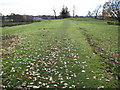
(55, 13)
(89, 14)
(73, 11)
(112, 9)
(96, 12)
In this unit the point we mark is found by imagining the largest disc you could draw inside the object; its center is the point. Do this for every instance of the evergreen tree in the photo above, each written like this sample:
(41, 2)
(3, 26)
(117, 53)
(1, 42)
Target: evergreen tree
(64, 13)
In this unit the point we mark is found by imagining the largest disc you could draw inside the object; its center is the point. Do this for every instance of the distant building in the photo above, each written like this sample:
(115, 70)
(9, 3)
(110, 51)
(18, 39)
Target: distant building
(36, 18)
(40, 17)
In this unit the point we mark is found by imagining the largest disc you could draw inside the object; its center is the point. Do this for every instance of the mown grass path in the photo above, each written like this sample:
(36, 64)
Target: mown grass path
(53, 54)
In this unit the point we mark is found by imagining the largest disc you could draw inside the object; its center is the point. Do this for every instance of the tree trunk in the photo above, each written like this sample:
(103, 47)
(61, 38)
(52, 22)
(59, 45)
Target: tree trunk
(55, 14)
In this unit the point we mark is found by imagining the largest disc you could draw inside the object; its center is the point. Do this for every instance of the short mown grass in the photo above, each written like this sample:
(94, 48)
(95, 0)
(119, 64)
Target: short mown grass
(68, 53)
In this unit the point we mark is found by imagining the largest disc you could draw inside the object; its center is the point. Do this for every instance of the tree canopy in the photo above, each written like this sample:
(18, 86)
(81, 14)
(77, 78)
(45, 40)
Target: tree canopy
(64, 13)
(112, 9)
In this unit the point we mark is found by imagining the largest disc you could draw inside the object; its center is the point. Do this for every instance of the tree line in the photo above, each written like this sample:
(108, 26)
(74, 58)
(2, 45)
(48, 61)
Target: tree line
(17, 18)
(111, 9)
(29, 18)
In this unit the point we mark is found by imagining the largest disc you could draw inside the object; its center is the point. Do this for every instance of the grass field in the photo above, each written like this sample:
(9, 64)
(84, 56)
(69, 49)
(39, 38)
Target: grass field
(66, 53)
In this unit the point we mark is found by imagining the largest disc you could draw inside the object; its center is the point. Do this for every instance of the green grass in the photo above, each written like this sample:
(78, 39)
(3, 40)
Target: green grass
(68, 53)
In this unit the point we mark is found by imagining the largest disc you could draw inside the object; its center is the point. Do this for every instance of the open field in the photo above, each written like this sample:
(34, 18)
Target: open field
(66, 53)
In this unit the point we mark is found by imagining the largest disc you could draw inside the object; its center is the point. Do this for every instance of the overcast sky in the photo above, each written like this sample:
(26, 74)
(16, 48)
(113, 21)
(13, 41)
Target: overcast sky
(45, 7)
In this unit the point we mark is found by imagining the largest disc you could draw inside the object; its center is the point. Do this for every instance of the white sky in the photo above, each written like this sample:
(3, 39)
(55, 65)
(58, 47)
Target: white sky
(45, 7)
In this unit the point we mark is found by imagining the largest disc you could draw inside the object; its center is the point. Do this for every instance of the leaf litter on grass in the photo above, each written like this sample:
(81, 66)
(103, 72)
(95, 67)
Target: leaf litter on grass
(49, 63)
(52, 68)
(36, 68)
